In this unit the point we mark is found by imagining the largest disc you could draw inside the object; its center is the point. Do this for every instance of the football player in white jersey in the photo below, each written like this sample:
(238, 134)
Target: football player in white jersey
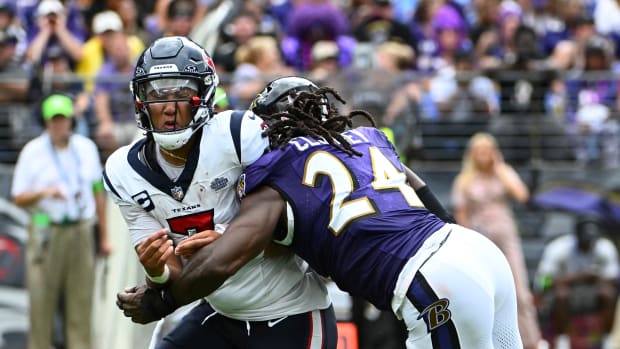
(180, 180)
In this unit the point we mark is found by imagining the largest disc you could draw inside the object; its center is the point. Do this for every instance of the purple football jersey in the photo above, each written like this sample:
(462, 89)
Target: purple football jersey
(357, 220)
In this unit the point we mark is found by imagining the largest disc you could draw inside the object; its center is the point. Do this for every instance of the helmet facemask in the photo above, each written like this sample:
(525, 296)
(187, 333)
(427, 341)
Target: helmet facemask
(179, 90)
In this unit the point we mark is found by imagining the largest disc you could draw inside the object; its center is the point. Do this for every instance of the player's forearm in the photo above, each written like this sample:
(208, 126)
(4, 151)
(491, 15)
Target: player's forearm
(212, 265)
(246, 237)
(197, 280)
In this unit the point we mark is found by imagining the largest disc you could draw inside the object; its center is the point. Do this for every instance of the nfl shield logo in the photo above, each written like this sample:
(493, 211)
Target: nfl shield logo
(177, 193)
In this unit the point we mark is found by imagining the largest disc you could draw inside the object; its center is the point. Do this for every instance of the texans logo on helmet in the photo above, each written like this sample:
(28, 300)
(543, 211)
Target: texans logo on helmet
(208, 60)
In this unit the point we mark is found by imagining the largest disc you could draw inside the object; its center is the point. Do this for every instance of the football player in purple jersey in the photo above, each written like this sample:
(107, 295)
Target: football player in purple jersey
(339, 197)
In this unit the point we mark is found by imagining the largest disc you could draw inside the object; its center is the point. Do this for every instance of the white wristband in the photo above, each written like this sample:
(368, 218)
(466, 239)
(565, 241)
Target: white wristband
(161, 279)
(220, 228)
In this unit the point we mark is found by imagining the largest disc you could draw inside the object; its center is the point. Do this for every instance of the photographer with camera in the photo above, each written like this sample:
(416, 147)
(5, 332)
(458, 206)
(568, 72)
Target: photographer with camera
(51, 20)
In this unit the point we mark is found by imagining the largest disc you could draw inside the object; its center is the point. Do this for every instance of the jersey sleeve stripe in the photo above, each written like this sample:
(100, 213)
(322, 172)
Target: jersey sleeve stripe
(235, 130)
(109, 185)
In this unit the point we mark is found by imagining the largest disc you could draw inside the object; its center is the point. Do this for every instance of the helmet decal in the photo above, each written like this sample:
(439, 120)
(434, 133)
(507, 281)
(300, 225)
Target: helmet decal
(164, 68)
(241, 186)
(259, 97)
(139, 71)
(209, 61)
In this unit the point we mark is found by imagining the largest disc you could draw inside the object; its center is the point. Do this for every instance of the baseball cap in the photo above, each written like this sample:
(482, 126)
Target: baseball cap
(107, 21)
(47, 7)
(57, 105)
(510, 8)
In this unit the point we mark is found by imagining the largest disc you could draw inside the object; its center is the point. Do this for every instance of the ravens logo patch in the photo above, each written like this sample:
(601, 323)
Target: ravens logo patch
(241, 186)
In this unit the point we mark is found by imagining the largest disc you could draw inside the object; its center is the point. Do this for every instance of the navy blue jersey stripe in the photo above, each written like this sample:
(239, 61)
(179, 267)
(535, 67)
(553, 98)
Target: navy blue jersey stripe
(155, 175)
(323, 334)
(435, 312)
(235, 130)
(109, 184)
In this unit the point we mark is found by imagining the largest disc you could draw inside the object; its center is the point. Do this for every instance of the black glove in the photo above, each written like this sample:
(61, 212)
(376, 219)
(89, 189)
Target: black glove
(145, 304)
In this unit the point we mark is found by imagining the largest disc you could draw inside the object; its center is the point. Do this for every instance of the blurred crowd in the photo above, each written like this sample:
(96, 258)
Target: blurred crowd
(530, 68)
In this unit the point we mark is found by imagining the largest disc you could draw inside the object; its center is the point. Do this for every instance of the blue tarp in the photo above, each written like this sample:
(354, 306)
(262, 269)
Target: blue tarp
(580, 198)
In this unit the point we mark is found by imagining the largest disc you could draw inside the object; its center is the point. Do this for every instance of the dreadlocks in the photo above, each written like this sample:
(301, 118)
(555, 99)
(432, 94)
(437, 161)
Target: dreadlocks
(306, 116)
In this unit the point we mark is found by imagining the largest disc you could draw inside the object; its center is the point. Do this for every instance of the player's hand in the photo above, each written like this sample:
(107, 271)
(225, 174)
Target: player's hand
(189, 246)
(154, 251)
(144, 304)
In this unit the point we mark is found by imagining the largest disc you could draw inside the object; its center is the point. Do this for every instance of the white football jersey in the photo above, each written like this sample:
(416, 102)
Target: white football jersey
(204, 195)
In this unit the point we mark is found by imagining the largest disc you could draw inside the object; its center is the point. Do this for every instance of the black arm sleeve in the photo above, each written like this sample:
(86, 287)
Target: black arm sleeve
(431, 202)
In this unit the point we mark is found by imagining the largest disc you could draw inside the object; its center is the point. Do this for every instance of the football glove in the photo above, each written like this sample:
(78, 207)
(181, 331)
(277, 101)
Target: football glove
(145, 304)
